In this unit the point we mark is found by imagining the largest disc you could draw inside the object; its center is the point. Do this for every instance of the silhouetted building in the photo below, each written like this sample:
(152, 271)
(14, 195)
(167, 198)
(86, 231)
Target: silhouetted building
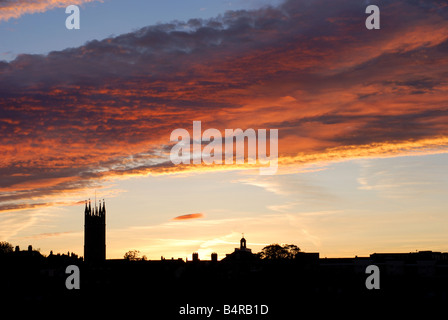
(243, 245)
(411, 256)
(95, 233)
(241, 253)
(27, 253)
(195, 256)
(307, 257)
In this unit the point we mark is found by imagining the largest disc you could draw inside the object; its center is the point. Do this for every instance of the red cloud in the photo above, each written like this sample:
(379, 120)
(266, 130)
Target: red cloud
(189, 216)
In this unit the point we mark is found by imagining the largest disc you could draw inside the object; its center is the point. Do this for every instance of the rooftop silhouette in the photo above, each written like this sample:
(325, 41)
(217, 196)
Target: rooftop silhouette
(241, 276)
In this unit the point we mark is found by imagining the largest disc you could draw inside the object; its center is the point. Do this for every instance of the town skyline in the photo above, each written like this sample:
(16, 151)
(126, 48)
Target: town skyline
(361, 117)
(99, 212)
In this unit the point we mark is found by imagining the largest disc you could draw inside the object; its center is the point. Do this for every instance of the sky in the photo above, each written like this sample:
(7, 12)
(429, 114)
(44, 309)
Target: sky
(361, 118)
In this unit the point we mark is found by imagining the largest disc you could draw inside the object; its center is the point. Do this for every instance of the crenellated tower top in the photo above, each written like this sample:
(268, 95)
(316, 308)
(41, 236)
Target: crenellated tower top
(97, 211)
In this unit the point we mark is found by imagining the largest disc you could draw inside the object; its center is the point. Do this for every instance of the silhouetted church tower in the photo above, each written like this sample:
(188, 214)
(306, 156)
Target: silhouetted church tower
(243, 243)
(95, 233)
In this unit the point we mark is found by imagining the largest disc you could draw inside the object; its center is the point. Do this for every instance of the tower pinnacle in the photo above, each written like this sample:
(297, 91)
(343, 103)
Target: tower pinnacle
(95, 232)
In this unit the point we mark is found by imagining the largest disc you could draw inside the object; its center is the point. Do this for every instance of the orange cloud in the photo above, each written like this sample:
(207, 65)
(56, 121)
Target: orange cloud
(189, 216)
(15, 9)
(333, 89)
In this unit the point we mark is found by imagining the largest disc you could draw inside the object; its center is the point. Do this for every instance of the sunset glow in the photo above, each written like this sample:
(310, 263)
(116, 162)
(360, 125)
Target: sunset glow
(362, 119)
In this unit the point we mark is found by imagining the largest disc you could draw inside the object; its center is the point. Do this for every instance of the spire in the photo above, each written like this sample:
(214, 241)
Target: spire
(243, 243)
(98, 210)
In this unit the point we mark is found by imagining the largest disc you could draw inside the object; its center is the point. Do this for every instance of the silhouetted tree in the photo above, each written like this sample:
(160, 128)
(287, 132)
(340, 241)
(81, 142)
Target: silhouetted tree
(292, 249)
(5, 247)
(276, 251)
(132, 255)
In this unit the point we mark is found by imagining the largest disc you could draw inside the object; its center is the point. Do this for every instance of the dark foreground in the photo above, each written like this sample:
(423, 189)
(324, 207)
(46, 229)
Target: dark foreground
(243, 289)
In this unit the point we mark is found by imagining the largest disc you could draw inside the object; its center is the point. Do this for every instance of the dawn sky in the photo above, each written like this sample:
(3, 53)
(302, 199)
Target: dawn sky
(361, 115)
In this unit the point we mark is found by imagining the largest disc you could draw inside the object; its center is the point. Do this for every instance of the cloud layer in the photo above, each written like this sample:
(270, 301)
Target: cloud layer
(311, 69)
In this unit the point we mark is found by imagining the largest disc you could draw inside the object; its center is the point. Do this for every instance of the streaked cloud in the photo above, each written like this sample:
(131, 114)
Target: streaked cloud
(48, 235)
(189, 216)
(72, 119)
(16, 8)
